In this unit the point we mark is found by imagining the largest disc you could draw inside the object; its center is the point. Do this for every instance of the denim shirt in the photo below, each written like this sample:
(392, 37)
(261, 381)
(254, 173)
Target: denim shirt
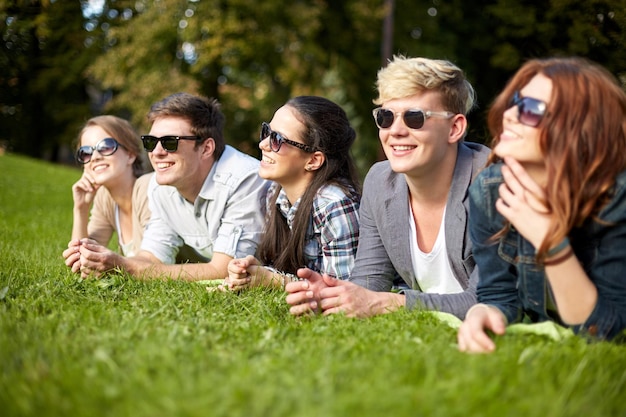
(511, 280)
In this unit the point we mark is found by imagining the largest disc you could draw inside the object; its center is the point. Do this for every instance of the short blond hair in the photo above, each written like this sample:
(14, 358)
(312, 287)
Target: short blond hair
(404, 77)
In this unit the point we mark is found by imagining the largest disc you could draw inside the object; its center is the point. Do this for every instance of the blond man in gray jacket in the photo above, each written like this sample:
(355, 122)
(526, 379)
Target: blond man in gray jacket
(414, 207)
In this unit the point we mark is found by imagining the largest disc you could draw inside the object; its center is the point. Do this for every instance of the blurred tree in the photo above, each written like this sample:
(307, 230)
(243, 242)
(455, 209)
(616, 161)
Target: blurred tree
(250, 55)
(42, 59)
(254, 55)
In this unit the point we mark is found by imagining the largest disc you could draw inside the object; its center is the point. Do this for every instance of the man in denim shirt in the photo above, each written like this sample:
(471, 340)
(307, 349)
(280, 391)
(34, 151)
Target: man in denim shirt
(206, 198)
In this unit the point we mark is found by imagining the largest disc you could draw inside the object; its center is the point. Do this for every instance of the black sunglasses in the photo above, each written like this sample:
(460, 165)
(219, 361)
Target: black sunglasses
(276, 139)
(169, 143)
(105, 147)
(530, 111)
(413, 119)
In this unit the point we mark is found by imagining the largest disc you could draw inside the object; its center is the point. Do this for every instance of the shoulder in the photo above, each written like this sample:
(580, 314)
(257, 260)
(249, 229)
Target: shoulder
(475, 152)
(142, 183)
(331, 193)
(488, 179)
(381, 174)
(233, 159)
(615, 209)
(233, 167)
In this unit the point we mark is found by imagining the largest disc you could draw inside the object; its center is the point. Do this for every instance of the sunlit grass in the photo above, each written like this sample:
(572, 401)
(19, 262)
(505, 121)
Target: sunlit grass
(119, 347)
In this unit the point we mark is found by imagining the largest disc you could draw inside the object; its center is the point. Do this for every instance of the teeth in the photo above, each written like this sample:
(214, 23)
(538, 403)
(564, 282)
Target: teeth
(99, 168)
(268, 160)
(403, 148)
(163, 165)
(511, 134)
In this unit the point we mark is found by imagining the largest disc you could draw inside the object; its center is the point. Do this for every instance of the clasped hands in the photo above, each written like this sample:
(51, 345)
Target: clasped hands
(89, 258)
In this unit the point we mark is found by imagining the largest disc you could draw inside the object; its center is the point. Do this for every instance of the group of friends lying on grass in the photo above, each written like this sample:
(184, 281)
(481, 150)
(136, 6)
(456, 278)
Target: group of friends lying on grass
(526, 230)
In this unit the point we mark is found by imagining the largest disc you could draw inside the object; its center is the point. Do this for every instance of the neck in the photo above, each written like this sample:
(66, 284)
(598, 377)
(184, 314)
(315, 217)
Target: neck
(191, 189)
(432, 186)
(122, 193)
(294, 190)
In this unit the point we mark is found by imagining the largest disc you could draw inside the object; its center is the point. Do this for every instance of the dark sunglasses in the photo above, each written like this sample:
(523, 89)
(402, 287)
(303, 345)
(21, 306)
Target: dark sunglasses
(169, 143)
(413, 119)
(105, 147)
(530, 111)
(276, 139)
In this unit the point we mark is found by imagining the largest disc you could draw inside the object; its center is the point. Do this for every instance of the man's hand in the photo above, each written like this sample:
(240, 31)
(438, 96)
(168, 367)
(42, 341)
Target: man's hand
(355, 301)
(303, 296)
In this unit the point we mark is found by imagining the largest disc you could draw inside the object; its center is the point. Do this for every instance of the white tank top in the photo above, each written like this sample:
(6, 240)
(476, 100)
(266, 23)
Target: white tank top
(433, 271)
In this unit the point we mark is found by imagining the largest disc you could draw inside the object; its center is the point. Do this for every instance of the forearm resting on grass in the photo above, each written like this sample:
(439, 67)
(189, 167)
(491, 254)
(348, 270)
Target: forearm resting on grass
(322, 293)
(96, 260)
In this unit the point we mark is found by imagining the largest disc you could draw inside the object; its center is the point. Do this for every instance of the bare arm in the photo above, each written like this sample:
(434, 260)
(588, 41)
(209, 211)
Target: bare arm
(96, 259)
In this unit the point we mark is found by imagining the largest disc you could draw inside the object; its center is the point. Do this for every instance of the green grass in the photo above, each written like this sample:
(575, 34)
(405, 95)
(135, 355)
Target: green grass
(118, 347)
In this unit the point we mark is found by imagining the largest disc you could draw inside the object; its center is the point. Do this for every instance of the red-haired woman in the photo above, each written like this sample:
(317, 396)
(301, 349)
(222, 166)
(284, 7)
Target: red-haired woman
(548, 216)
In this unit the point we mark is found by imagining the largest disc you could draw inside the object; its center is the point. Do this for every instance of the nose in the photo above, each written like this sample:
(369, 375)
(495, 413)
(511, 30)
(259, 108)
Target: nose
(510, 114)
(158, 149)
(398, 126)
(95, 155)
(264, 144)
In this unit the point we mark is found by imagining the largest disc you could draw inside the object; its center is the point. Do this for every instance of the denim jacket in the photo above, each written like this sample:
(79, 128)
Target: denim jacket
(511, 280)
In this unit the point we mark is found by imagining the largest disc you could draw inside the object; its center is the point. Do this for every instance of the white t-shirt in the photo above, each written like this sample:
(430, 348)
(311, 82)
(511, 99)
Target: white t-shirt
(432, 270)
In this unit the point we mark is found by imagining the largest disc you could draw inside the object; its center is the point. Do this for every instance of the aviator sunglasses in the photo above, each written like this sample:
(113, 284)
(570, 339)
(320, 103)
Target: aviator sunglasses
(530, 111)
(413, 119)
(276, 140)
(169, 143)
(105, 147)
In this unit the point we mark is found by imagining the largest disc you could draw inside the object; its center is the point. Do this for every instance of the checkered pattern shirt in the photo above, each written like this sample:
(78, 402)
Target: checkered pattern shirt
(333, 232)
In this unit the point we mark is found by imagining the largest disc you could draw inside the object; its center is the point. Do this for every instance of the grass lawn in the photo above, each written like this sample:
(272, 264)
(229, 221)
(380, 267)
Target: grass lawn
(118, 347)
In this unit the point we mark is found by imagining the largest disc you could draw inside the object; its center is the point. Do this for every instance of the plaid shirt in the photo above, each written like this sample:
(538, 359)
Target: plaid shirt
(333, 232)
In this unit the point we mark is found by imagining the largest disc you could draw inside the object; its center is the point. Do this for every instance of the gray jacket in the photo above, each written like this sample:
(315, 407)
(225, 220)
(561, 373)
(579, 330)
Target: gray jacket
(384, 252)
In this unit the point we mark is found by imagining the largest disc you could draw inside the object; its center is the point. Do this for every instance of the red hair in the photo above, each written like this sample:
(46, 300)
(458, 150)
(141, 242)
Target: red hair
(582, 138)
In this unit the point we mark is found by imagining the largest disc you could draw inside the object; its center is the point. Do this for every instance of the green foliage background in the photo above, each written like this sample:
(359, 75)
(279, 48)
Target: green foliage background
(119, 347)
(62, 62)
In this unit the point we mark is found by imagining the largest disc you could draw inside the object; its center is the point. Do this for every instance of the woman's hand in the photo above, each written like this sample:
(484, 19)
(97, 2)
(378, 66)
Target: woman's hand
(240, 273)
(72, 255)
(83, 191)
(472, 337)
(522, 203)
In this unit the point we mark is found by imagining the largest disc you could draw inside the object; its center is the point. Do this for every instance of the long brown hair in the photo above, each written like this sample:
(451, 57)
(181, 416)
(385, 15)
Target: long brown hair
(582, 138)
(327, 129)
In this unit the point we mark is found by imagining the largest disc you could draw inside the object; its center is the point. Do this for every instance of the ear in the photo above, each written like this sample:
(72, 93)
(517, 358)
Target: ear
(458, 128)
(315, 161)
(208, 147)
(131, 158)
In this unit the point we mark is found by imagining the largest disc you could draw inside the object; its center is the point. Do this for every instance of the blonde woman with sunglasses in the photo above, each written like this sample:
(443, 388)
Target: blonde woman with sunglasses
(111, 195)
(548, 216)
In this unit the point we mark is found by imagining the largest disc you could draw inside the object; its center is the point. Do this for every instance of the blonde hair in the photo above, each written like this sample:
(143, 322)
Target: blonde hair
(404, 77)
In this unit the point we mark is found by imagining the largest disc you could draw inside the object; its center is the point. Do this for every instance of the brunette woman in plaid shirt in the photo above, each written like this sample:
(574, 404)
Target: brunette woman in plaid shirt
(312, 208)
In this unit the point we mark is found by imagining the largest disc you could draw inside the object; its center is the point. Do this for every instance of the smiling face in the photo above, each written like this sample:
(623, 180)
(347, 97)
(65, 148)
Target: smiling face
(518, 140)
(106, 170)
(287, 166)
(187, 167)
(416, 152)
